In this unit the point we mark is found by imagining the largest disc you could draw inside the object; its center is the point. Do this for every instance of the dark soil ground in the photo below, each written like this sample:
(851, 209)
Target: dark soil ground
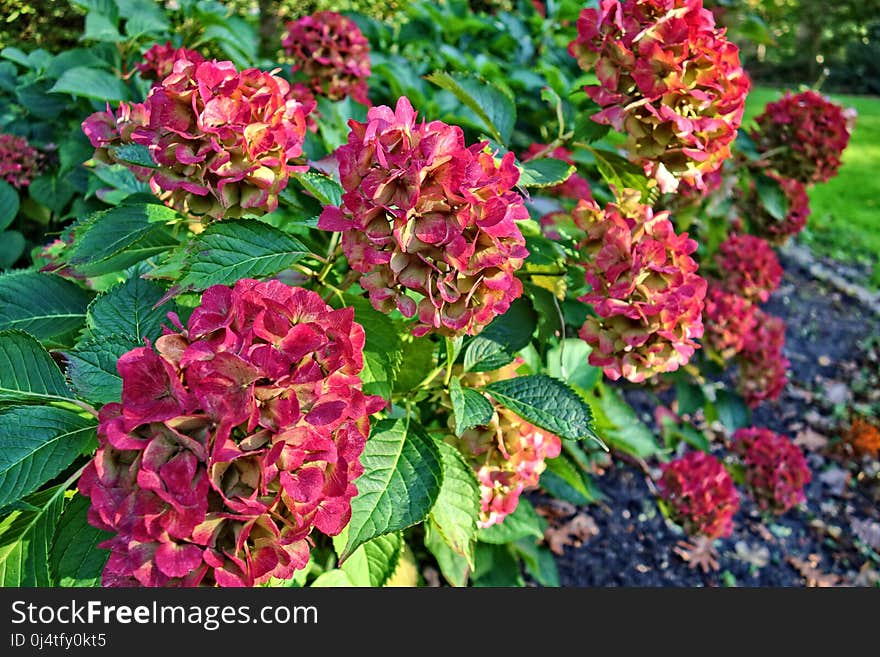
(828, 541)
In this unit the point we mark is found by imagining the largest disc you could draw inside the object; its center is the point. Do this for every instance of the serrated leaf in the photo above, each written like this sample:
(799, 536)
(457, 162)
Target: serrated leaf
(8, 204)
(91, 83)
(323, 188)
(75, 558)
(44, 305)
(494, 108)
(25, 540)
(568, 362)
(231, 250)
(136, 154)
(507, 334)
(457, 508)
(27, 371)
(524, 521)
(383, 349)
(621, 173)
(453, 566)
(401, 481)
(544, 172)
(91, 367)
(418, 354)
(128, 309)
(374, 562)
(36, 444)
(563, 479)
(547, 403)
(619, 425)
(470, 408)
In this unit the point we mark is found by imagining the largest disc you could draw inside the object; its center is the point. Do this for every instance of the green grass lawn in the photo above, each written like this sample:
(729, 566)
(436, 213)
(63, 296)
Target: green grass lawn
(845, 219)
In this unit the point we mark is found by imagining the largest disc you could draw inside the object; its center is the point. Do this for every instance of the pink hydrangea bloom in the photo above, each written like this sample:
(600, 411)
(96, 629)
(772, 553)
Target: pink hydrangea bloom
(700, 494)
(158, 61)
(332, 53)
(774, 230)
(775, 468)
(804, 136)
(728, 320)
(575, 186)
(19, 161)
(763, 370)
(748, 267)
(647, 295)
(669, 79)
(223, 140)
(429, 222)
(235, 438)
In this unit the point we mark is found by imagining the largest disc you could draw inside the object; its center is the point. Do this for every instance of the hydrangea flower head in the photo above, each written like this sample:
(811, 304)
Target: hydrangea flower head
(763, 369)
(19, 161)
(158, 61)
(748, 266)
(775, 468)
(765, 225)
(728, 320)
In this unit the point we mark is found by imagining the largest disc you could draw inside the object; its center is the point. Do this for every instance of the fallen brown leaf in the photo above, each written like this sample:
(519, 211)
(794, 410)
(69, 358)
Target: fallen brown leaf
(573, 533)
(811, 440)
(810, 572)
(757, 555)
(699, 552)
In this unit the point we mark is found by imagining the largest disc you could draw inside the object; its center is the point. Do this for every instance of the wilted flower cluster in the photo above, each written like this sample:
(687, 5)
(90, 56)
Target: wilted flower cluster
(700, 494)
(646, 294)
(19, 161)
(748, 267)
(332, 53)
(763, 370)
(728, 319)
(424, 214)
(775, 468)
(669, 79)
(222, 139)
(508, 454)
(575, 186)
(764, 224)
(803, 136)
(158, 61)
(235, 438)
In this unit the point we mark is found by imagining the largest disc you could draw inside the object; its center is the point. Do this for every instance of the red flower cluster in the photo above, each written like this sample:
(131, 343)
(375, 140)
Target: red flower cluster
(158, 61)
(332, 52)
(222, 139)
(748, 267)
(423, 213)
(728, 320)
(669, 79)
(235, 438)
(575, 186)
(700, 493)
(774, 230)
(763, 370)
(19, 161)
(646, 293)
(775, 468)
(804, 136)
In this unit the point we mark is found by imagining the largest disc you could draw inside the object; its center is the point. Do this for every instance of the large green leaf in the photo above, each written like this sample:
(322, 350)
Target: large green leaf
(495, 109)
(36, 444)
(26, 537)
(44, 305)
(402, 477)
(374, 562)
(469, 407)
(91, 83)
(231, 250)
(92, 367)
(333, 579)
(547, 403)
(12, 245)
(383, 350)
(8, 204)
(568, 361)
(323, 188)
(457, 508)
(75, 558)
(128, 309)
(496, 567)
(563, 479)
(772, 196)
(544, 172)
(27, 371)
(618, 424)
(539, 561)
(498, 342)
(453, 566)
(621, 173)
(524, 521)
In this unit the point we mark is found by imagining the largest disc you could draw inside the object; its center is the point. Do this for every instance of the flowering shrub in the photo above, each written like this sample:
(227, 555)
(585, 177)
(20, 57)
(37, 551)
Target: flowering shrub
(19, 161)
(728, 320)
(775, 468)
(332, 53)
(700, 493)
(235, 438)
(222, 140)
(158, 61)
(646, 293)
(669, 79)
(763, 370)
(803, 136)
(748, 267)
(424, 213)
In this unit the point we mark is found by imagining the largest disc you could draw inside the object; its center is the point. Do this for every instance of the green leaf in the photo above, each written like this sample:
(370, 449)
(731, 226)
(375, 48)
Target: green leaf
(136, 154)
(507, 334)
(539, 561)
(618, 424)
(101, 28)
(471, 409)
(12, 245)
(383, 350)
(588, 131)
(8, 204)
(91, 83)
(75, 558)
(565, 480)
(113, 240)
(496, 567)
(231, 250)
(547, 403)
(772, 196)
(44, 305)
(402, 477)
(621, 173)
(524, 521)
(36, 444)
(27, 371)
(333, 578)
(323, 188)
(544, 172)
(25, 539)
(457, 508)
(418, 354)
(128, 309)
(374, 562)
(494, 108)
(453, 566)
(568, 361)
(92, 367)
(730, 409)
